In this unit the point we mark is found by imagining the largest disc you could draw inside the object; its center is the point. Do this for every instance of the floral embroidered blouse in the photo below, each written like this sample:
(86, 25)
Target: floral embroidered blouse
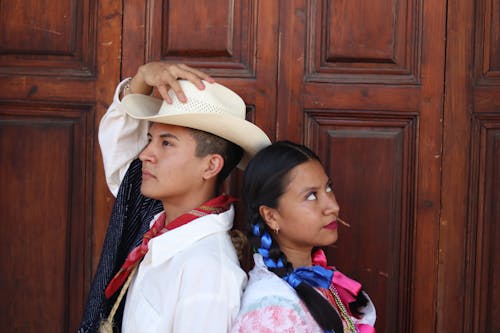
(270, 305)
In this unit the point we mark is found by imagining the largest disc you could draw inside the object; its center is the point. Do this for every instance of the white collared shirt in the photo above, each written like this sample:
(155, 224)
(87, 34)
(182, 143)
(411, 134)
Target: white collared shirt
(121, 139)
(189, 281)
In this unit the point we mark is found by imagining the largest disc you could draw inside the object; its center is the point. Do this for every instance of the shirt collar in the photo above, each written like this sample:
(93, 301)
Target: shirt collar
(163, 247)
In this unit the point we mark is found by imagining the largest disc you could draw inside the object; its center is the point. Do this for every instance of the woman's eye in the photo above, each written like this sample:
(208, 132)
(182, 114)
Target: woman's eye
(329, 188)
(311, 196)
(166, 143)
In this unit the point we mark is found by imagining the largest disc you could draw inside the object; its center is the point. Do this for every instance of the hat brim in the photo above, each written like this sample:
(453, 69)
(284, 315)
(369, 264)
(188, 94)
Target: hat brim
(239, 131)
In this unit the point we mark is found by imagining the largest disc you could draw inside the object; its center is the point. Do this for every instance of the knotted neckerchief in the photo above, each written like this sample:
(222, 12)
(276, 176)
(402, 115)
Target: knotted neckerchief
(217, 205)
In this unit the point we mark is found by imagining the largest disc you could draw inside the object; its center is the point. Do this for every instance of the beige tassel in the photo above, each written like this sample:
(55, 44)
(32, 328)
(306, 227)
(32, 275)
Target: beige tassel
(106, 326)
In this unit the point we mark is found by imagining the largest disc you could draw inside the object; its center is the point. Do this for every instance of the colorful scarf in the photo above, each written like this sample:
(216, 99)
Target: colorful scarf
(320, 275)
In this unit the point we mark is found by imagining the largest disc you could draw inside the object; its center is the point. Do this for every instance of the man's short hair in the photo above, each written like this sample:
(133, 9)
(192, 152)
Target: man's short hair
(208, 143)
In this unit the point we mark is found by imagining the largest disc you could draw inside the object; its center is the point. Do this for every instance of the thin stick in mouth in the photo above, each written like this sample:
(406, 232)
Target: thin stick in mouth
(343, 222)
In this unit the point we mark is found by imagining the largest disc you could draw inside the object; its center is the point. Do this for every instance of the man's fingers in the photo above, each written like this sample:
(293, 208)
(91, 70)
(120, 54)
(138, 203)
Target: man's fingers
(164, 94)
(198, 74)
(176, 87)
(167, 78)
(186, 74)
(168, 75)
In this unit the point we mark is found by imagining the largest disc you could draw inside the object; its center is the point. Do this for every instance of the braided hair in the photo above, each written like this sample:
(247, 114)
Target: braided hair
(265, 180)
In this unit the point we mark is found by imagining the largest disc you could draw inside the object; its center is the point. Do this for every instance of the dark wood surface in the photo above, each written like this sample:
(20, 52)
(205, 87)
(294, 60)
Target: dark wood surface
(400, 99)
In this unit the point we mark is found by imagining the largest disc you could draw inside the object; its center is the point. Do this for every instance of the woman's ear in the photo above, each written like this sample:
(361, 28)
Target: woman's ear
(214, 164)
(270, 216)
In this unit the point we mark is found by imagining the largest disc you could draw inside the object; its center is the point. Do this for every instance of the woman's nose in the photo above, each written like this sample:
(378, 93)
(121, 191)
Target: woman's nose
(331, 206)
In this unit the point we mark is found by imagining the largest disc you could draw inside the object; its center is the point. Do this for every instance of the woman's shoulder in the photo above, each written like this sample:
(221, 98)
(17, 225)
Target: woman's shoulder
(272, 304)
(264, 285)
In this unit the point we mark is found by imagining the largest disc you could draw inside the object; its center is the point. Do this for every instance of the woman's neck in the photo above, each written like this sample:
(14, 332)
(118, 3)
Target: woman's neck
(298, 257)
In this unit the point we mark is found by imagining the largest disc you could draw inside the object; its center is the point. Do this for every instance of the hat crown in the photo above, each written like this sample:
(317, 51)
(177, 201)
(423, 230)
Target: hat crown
(215, 98)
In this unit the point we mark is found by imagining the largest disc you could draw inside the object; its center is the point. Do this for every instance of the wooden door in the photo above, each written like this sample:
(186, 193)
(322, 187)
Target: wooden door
(59, 63)
(469, 250)
(399, 98)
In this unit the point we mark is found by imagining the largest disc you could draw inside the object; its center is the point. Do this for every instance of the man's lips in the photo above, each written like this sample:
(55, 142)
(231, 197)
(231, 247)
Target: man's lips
(332, 225)
(147, 175)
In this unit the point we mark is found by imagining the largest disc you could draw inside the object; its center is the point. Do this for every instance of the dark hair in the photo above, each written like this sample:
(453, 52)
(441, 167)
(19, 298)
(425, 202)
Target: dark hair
(265, 180)
(208, 143)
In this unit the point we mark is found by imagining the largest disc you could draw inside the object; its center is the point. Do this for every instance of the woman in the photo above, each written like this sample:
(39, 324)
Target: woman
(291, 212)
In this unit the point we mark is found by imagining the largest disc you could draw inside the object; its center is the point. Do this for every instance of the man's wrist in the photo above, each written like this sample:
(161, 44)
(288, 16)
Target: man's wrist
(131, 86)
(126, 88)
(138, 86)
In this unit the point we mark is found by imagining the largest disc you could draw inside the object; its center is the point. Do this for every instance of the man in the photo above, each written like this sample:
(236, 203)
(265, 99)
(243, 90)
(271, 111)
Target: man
(184, 275)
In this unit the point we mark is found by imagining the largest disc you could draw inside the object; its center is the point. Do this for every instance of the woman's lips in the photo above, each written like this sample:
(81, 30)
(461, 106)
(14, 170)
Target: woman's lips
(331, 226)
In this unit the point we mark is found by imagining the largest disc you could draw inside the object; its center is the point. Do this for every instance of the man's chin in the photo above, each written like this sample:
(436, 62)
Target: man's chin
(148, 193)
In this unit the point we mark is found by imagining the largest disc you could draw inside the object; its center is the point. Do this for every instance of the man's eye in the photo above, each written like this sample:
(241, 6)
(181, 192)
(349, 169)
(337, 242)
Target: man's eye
(166, 143)
(311, 196)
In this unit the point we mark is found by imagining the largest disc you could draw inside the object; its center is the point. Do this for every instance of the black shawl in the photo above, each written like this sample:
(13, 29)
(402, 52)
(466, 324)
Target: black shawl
(129, 220)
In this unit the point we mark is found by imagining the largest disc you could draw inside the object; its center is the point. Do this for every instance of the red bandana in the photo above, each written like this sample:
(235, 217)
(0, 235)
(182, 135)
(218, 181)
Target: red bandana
(217, 205)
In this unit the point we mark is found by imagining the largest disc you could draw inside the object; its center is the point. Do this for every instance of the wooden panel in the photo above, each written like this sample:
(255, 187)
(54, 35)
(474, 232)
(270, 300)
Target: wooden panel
(45, 34)
(486, 99)
(364, 41)
(364, 153)
(485, 233)
(39, 218)
(488, 42)
(59, 43)
(45, 202)
(213, 24)
(345, 96)
(218, 34)
(31, 87)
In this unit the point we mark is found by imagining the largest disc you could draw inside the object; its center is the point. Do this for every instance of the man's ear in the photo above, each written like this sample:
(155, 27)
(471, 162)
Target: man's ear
(213, 165)
(270, 216)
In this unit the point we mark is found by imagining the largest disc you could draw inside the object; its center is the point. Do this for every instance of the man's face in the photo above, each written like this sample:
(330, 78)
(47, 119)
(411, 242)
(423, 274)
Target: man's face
(171, 172)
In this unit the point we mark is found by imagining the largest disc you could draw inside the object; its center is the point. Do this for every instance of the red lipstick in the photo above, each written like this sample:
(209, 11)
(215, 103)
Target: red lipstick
(331, 226)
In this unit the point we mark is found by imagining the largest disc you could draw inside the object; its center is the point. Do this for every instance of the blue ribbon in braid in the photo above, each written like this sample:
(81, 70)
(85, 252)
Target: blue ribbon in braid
(315, 276)
(266, 241)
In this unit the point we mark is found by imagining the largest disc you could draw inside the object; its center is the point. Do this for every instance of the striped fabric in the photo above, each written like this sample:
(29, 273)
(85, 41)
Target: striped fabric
(129, 220)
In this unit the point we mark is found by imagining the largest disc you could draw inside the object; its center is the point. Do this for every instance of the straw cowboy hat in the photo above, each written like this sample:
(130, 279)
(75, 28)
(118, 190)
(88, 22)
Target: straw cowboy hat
(215, 109)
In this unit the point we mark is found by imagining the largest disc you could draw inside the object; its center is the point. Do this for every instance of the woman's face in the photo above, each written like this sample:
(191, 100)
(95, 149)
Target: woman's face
(307, 211)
